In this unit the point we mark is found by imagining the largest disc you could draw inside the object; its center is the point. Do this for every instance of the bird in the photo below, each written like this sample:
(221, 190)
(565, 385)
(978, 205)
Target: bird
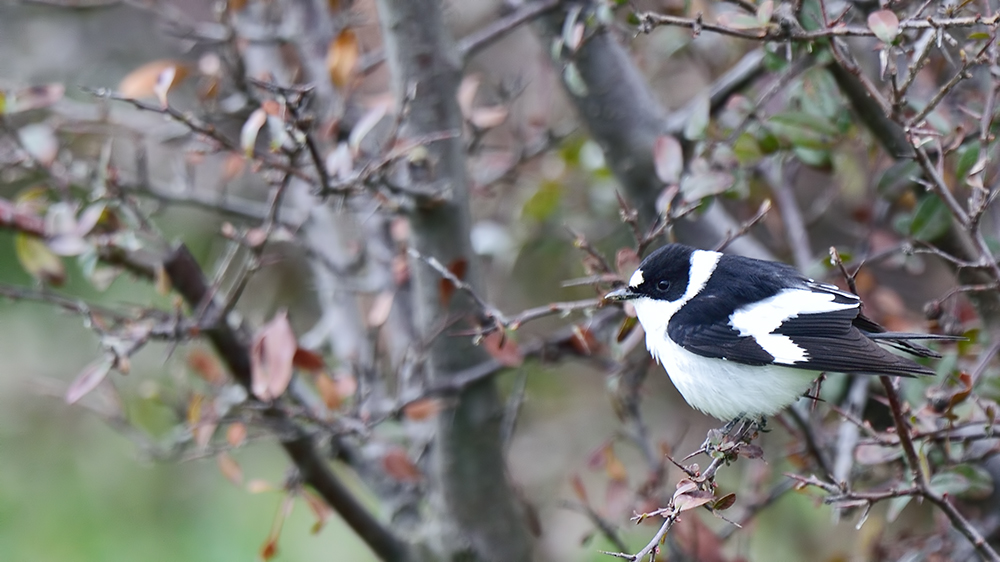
(743, 338)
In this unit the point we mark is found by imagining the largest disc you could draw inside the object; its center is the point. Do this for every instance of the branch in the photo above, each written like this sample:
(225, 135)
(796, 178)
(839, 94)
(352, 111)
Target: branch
(498, 29)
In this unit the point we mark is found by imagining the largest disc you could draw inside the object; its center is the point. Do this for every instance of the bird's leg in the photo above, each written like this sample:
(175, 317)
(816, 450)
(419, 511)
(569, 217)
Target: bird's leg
(715, 437)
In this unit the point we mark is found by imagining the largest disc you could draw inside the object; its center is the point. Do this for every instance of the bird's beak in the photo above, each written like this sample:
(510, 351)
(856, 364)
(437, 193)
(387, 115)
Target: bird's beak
(623, 294)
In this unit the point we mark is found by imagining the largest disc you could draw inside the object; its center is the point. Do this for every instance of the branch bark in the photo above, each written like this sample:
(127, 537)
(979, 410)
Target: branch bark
(472, 500)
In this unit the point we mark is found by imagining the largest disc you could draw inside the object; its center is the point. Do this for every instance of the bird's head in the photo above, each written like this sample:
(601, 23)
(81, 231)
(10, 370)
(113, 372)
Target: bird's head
(660, 286)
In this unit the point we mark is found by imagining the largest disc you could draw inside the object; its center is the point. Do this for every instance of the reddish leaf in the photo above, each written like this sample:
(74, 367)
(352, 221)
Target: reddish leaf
(88, 379)
(271, 357)
(422, 409)
(308, 360)
(236, 434)
(668, 159)
(230, 468)
(751, 451)
(328, 391)
(626, 262)
(698, 541)
(446, 287)
(398, 465)
(206, 366)
(503, 349)
(884, 24)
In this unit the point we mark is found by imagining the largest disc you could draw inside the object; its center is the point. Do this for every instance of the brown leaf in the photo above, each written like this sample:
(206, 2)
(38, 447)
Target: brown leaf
(446, 287)
(328, 391)
(583, 341)
(692, 499)
(206, 366)
(89, 378)
(503, 349)
(270, 547)
(725, 502)
(613, 467)
(146, 80)
(698, 541)
(308, 360)
(422, 409)
(628, 324)
(232, 166)
(236, 434)
(271, 357)
(398, 465)
(320, 509)
(342, 58)
(230, 468)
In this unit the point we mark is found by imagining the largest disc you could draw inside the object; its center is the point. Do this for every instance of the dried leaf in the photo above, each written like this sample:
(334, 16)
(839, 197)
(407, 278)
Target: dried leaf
(89, 378)
(668, 157)
(446, 288)
(488, 117)
(692, 499)
(398, 465)
(320, 509)
(613, 467)
(236, 434)
(381, 307)
(584, 342)
(503, 349)
(248, 134)
(342, 58)
(328, 391)
(206, 366)
(422, 409)
(751, 451)
(270, 547)
(467, 93)
(40, 142)
(38, 260)
(230, 468)
(725, 502)
(884, 24)
(308, 360)
(271, 357)
(152, 78)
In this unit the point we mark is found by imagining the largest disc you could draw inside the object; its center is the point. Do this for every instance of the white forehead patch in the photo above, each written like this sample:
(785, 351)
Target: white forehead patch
(636, 279)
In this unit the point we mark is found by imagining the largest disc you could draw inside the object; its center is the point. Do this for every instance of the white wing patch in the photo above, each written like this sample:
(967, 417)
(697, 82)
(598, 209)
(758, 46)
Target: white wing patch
(760, 319)
(636, 279)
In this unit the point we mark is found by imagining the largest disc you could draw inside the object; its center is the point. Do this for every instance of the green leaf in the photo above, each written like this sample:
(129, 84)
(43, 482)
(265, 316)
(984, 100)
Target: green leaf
(747, 150)
(896, 506)
(800, 129)
(898, 175)
(931, 219)
(814, 158)
(574, 81)
(544, 202)
(967, 157)
(697, 123)
(963, 481)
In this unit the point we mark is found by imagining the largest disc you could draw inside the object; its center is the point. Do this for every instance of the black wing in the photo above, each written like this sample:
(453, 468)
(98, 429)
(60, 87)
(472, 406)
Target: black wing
(835, 340)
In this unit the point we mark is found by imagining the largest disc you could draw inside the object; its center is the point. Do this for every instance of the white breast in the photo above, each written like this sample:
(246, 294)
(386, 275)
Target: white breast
(725, 389)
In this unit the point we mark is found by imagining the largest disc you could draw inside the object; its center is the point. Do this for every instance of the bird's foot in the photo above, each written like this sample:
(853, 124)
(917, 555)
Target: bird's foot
(726, 441)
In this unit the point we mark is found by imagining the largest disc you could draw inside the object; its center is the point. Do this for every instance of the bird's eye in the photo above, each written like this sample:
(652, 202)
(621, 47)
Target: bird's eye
(663, 285)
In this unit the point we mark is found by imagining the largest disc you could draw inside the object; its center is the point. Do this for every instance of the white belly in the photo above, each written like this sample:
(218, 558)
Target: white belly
(725, 389)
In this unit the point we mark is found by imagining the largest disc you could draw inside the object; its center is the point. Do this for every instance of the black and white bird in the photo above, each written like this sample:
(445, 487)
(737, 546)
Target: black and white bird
(741, 337)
